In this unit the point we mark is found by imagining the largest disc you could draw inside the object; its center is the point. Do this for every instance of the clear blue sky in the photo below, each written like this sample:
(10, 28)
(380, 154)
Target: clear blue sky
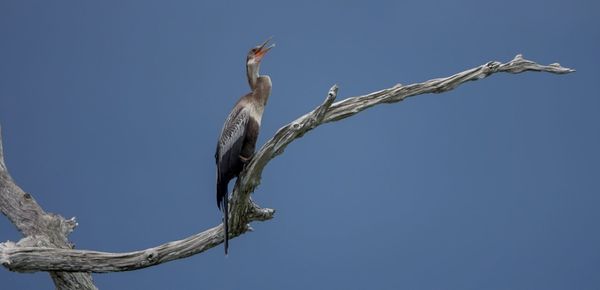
(110, 112)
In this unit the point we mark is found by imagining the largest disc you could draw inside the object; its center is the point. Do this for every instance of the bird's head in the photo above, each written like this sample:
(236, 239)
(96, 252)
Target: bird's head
(256, 54)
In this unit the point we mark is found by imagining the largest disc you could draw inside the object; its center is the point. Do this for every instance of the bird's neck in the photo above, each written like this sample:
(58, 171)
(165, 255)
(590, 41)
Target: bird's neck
(252, 73)
(262, 90)
(260, 85)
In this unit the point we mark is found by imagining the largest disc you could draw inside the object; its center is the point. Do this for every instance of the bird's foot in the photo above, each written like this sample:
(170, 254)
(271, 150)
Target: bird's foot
(246, 159)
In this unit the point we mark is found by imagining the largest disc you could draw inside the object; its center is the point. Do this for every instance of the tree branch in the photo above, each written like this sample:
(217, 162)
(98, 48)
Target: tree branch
(40, 229)
(24, 256)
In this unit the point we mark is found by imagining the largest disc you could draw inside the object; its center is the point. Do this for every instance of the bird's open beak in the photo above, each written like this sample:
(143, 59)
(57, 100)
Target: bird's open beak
(264, 48)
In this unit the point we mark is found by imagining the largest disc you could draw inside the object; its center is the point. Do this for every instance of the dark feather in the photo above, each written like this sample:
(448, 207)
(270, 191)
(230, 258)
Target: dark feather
(229, 148)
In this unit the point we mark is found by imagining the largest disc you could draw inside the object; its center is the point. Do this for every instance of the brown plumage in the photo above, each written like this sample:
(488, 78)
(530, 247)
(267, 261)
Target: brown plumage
(238, 137)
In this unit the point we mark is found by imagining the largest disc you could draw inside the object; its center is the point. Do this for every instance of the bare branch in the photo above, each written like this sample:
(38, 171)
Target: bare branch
(40, 228)
(351, 106)
(24, 257)
(28, 259)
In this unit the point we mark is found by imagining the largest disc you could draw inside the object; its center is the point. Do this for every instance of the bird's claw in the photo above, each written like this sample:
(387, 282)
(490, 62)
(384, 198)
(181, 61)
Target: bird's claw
(245, 159)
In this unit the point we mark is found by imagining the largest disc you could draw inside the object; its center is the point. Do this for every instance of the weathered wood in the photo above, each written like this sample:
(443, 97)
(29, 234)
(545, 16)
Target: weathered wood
(24, 256)
(41, 229)
(30, 258)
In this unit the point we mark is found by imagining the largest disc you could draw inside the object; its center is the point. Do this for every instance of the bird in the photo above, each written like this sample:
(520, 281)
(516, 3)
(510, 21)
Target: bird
(237, 140)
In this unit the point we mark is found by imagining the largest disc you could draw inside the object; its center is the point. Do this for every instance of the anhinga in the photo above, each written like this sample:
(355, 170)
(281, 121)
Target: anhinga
(240, 131)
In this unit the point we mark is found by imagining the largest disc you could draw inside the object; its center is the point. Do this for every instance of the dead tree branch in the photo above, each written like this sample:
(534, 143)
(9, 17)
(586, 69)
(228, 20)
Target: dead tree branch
(41, 229)
(56, 254)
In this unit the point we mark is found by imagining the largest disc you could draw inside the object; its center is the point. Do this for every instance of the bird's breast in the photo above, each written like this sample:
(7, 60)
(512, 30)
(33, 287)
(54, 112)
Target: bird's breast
(256, 112)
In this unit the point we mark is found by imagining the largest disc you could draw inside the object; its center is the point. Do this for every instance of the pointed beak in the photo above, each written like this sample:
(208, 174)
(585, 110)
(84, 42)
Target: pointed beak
(264, 48)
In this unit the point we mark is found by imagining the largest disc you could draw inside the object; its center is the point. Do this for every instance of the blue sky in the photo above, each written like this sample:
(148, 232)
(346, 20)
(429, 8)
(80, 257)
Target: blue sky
(110, 112)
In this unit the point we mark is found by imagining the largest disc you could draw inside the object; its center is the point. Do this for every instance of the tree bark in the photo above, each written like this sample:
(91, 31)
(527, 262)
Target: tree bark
(41, 229)
(46, 248)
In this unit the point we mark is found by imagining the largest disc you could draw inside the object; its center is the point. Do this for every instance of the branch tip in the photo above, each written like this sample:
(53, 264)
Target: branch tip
(2, 165)
(4, 257)
(333, 91)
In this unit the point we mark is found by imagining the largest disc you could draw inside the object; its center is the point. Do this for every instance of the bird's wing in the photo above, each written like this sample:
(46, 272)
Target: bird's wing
(231, 142)
(233, 132)
(229, 147)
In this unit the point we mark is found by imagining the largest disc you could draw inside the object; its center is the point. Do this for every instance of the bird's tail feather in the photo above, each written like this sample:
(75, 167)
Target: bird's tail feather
(226, 222)
(224, 205)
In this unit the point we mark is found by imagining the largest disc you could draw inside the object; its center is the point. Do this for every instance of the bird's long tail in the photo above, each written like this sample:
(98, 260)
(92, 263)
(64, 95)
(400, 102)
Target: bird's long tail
(222, 193)
(226, 222)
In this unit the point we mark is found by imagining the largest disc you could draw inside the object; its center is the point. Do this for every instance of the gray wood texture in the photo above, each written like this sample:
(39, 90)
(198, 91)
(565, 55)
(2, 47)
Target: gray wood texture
(41, 229)
(45, 246)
